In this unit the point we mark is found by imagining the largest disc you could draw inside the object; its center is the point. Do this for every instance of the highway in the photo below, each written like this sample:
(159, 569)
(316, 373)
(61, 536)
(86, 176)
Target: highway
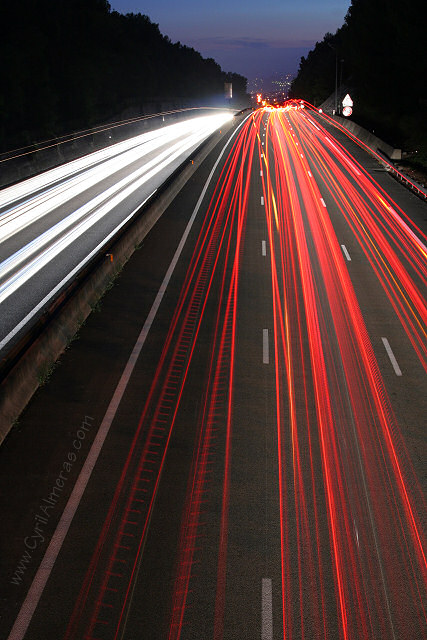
(235, 445)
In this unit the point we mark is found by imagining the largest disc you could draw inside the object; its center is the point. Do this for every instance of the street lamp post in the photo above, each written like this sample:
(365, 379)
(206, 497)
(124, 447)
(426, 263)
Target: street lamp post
(336, 82)
(339, 103)
(336, 76)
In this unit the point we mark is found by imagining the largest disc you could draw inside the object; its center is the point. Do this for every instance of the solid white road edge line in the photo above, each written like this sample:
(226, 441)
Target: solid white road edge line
(35, 592)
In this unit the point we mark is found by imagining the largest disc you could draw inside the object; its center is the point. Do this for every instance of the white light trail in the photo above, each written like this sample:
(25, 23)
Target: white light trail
(24, 263)
(80, 175)
(169, 145)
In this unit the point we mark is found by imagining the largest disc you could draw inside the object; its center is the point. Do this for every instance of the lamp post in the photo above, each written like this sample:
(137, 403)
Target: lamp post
(336, 76)
(341, 66)
(336, 83)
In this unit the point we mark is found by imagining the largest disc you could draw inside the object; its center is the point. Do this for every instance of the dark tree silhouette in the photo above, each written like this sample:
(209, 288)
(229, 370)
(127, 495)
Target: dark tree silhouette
(68, 64)
(382, 44)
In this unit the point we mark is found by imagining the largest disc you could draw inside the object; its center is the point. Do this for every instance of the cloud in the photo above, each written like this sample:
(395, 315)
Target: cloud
(233, 43)
(229, 44)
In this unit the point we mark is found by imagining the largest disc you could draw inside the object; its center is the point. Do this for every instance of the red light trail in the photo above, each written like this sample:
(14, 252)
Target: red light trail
(350, 508)
(351, 404)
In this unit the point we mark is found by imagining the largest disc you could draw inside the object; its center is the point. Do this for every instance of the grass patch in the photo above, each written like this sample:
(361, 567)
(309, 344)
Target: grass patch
(45, 373)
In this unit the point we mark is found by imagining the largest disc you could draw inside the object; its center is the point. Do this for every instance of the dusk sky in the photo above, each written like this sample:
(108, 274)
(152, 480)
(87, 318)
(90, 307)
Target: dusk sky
(254, 38)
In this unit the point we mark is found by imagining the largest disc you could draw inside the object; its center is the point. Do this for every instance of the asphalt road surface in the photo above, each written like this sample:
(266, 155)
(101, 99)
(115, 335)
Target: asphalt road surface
(234, 447)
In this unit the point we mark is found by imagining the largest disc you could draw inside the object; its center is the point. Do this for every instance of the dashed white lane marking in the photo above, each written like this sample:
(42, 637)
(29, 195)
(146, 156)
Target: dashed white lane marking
(262, 200)
(346, 253)
(265, 350)
(310, 174)
(260, 173)
(392, 357)
(36, 589)
(266, 609)
(323, 202)
(264, 248)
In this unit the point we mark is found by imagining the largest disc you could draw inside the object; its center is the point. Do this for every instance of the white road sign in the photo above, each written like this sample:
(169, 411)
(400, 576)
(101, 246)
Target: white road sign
(347, 102)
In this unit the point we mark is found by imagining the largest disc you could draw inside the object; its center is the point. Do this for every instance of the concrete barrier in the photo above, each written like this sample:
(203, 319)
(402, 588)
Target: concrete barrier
(371, 140)
(384, 153)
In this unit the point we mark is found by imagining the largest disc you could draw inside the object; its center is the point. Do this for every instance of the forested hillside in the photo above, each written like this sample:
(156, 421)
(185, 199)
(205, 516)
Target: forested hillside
(68, 64)
(382, 45)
